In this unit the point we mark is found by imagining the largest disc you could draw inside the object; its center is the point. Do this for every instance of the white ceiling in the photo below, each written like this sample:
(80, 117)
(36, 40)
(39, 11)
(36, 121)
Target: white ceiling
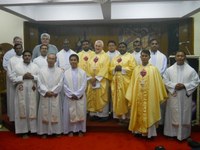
(99, 10)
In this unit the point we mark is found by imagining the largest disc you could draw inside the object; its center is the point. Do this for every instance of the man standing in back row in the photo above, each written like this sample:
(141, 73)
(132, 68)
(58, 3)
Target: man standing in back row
(63, 56)
(45, 39)
(158, 60)
(85, 55)
(11, 88)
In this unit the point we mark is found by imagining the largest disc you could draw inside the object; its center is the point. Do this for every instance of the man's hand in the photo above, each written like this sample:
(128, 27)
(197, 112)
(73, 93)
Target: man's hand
(28, 76)
(118, 68)
(49, 94)
(179, 86)
(74, 97)
(93, 81)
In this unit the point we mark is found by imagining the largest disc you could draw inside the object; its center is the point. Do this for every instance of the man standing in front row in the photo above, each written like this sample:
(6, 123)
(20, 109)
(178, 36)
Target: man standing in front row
(24, 77)
(74, 105)
(181, 81)
(145, 93)
(50, 80)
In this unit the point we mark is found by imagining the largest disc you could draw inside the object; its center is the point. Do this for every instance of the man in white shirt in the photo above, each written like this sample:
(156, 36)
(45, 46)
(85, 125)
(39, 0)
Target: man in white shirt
(63, 55)
(137, 45)
(41, 61)
(9, 54)
(157, 59)
(112, 52)
(45, 40)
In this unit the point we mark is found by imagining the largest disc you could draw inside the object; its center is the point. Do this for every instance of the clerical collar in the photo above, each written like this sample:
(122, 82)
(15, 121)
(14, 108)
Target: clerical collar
(51, 68)
(154, 52)
(112, 51)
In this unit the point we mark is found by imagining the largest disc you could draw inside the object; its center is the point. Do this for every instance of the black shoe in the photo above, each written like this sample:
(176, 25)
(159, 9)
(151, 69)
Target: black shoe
(94, 118)
(193, 144)
(103, 119)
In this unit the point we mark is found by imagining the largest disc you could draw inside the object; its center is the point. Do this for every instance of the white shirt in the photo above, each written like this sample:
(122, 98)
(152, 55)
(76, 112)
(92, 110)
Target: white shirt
(9, 54)
(137, 55)
(113, 54)
(159, 60)
(63, 58)
(40, 61)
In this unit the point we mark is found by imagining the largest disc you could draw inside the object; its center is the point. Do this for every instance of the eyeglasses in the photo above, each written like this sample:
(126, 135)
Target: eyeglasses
(154, 43)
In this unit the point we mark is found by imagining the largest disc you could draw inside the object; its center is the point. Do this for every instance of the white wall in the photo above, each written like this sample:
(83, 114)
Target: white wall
(196, 33)
(10, 26)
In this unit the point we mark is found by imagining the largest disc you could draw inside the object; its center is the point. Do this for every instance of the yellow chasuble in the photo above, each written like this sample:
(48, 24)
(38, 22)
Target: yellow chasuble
(145, 93)
(120, 82)
(98, 66)
(84, 58)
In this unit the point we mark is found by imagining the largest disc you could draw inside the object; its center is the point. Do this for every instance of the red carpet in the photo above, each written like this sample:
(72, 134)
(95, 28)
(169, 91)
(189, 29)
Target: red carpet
(91, 141)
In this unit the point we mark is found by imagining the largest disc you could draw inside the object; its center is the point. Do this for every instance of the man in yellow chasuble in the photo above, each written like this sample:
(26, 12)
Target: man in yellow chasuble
(121, 70)
(145, 93)
(97, 92)
(85, 55)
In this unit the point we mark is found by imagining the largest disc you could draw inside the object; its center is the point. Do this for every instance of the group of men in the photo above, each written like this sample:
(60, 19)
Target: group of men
(136, 87)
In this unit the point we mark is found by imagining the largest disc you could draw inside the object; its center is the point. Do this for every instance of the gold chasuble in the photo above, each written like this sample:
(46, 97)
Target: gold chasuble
(84, 58)
(97, 97)
(120, 82)
(145, 93)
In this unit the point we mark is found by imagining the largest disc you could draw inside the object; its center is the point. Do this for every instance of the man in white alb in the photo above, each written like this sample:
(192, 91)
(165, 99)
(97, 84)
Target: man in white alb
(74, 106)
(25, 77)
(41, 61)
(112, 52)
(11, 88)
(181, 80)
(158, 60)
(63, 55)
(50, 82)
(137, 45)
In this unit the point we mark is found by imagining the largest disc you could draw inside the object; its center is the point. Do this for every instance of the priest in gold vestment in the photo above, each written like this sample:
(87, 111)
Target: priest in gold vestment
(97, 92)
(85, 55)
(121, 69)
(145, 93)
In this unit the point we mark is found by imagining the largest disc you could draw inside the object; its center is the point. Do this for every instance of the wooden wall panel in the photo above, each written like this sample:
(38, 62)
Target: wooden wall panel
(186, 33)
(118, 32)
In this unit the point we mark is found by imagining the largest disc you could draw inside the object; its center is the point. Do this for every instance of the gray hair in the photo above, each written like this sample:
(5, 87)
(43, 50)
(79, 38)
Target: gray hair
(45, 34)
(99, 41)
